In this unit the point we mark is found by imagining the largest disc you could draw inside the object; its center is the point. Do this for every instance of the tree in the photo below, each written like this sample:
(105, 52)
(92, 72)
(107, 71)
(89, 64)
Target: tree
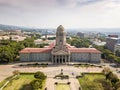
(6, 54)
(117, 53)
(79, 42)
(114, 79)
(118, 60)
(16, 72)
(111, 57)
(117, 85)
(40, 75)
(36, 84)
(109, 76)
(106, 70)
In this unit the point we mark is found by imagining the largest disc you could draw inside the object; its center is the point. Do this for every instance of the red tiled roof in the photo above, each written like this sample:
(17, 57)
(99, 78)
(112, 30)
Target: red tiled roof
(52, 45)
(72, 49)
(86, 50)
(35, 50)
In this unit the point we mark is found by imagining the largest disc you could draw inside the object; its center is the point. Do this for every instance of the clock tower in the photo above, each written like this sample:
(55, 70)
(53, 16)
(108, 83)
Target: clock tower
(60, 36)
(60, 53)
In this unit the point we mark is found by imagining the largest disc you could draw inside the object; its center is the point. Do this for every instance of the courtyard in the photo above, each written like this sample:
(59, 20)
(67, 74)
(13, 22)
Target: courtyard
(51, 71)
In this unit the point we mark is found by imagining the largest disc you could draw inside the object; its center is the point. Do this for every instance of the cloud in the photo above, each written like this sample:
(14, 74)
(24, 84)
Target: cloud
(86, 13)
(87, 2)
(74, 3)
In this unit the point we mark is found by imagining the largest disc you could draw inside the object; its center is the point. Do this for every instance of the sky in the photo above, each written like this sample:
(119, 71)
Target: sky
(69, 13)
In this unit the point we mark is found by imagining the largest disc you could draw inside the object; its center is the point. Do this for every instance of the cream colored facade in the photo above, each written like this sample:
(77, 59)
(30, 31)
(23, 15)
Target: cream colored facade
(60, 52)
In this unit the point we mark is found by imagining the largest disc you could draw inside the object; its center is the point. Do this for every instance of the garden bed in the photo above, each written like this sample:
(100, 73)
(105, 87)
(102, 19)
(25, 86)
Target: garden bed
(90, 81)
(34, 65)
(5, 80)
(23, 82)
(62, 86)
(87, 65)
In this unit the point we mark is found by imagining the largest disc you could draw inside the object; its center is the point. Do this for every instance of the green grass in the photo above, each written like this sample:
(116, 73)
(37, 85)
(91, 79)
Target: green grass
(62, 87)
(83, 65)
(22, 83)
(90, 81)
(4, 81)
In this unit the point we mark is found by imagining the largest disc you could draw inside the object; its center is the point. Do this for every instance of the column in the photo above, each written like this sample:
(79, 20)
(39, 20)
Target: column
(55, 59)
(58, 59)
(65, 59)
(52, 58)
(62, 60)
(68, 59)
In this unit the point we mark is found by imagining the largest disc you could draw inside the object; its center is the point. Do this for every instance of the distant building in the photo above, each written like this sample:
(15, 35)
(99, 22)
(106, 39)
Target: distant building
(60, 52)
(88, 35)
(114, 36)
(116, 47)
(99, 43)
(111, 42)
(48, 36)
(80, 34)
(13, 32)
(1, 32)
(17, 38)
(4, 37)
(40, 41)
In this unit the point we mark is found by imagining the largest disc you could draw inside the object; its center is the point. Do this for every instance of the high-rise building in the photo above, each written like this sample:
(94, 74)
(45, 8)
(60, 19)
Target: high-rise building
(111, 42)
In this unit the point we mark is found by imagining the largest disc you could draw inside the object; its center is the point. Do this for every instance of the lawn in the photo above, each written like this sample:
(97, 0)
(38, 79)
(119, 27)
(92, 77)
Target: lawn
(91, 81)
(23, 83)
(4, 81)
(62, 87)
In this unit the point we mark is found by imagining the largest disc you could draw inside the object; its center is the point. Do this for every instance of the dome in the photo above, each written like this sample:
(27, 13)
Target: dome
(60, 28)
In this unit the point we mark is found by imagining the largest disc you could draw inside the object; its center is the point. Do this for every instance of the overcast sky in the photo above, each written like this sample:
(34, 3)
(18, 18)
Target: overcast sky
(69, 13)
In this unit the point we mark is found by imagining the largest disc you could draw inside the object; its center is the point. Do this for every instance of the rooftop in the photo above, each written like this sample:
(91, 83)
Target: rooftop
(35, 50)
(84, 50)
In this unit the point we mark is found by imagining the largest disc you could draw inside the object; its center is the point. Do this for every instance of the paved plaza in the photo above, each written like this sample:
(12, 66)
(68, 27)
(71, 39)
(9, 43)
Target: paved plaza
(50, 71)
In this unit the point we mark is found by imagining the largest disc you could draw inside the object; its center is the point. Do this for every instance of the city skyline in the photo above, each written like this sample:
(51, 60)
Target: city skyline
(69, 13)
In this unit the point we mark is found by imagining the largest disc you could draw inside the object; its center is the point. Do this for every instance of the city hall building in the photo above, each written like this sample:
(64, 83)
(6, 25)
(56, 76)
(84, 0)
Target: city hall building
(59, 52)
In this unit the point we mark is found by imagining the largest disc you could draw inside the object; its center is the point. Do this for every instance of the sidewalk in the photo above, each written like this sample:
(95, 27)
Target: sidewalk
(50, 83)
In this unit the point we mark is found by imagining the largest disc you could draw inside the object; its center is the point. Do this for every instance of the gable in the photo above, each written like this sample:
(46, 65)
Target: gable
(61, 52)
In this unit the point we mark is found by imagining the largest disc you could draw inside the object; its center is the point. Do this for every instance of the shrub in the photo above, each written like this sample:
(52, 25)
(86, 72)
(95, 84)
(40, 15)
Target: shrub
(16, 72)
(36, 64)
(56, 83)
(106, 70)
(36, 84)
(68, 83)
(79, 76)
(21, 65)
(40, 75)
(117, 85)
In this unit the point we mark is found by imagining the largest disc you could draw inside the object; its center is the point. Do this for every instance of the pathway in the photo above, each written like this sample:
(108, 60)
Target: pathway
(6, 70)
(74, 84)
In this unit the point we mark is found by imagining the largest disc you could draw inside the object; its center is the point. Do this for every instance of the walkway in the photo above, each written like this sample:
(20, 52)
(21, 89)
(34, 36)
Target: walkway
(50, 83)
(6, 70)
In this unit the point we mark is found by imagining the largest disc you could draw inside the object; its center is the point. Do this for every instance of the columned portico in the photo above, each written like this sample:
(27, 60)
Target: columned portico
(60, 59)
